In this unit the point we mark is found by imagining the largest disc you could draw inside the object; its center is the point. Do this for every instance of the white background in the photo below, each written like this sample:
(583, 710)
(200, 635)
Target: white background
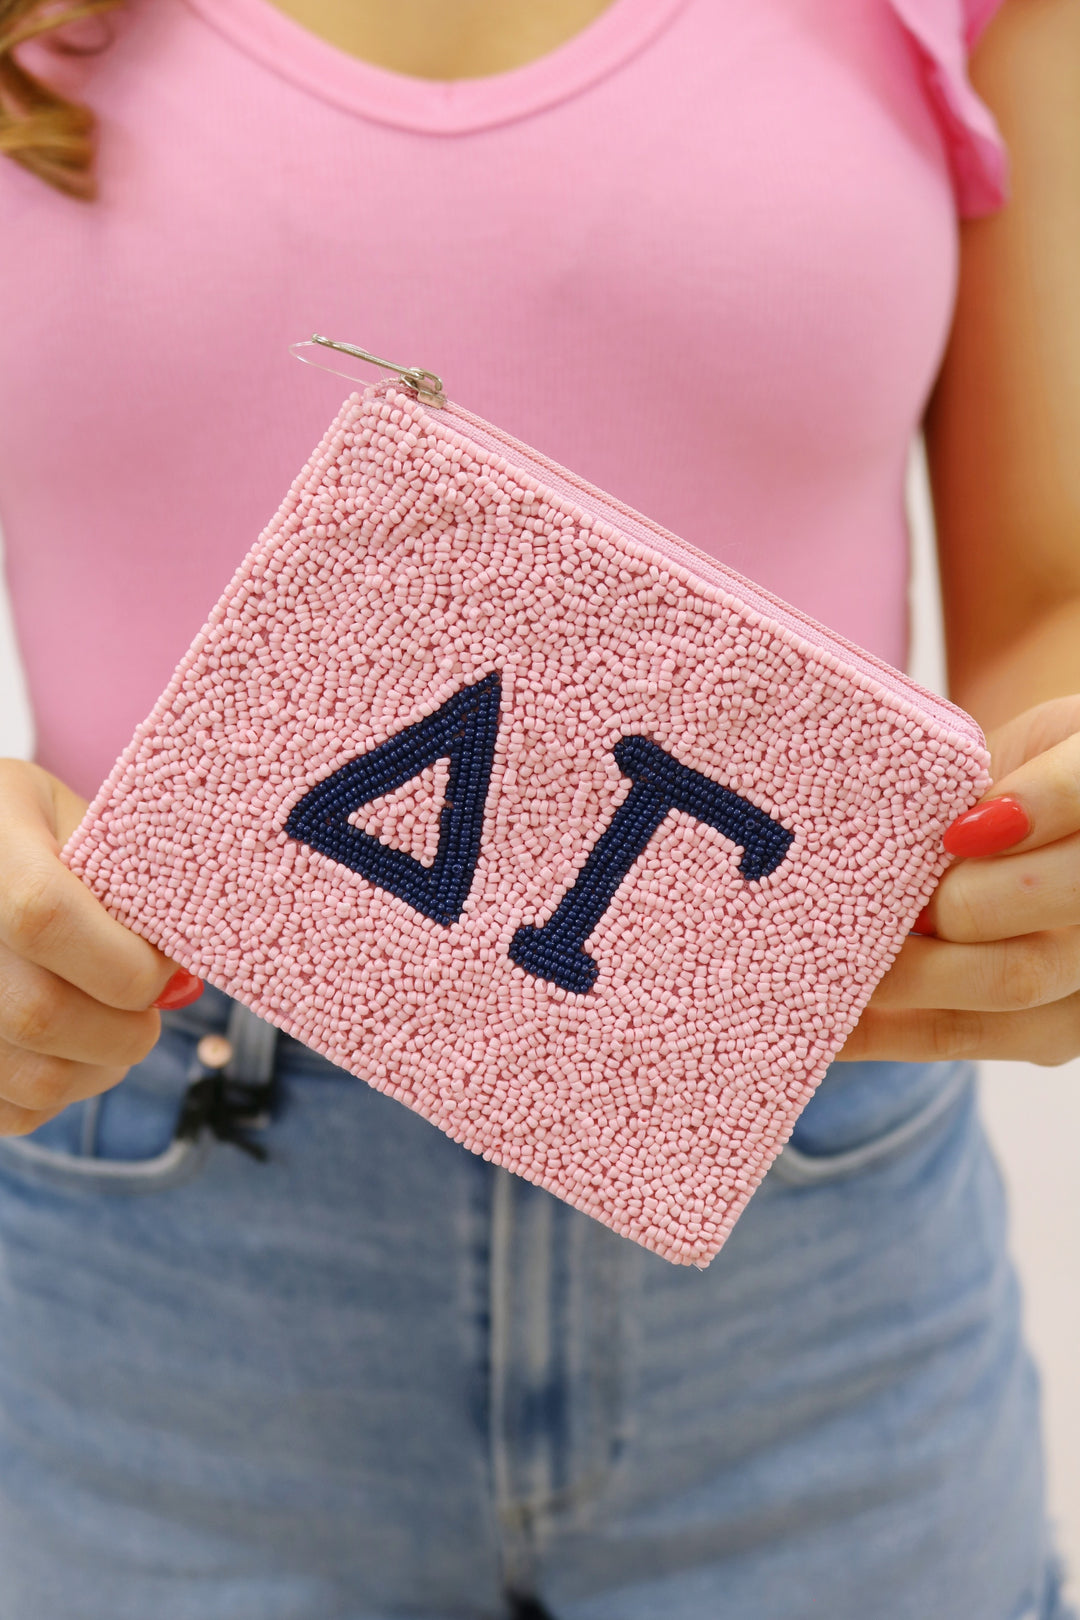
(1033, 1114)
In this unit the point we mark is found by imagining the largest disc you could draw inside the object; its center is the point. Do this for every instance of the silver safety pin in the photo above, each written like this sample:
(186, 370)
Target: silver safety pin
(427, 387)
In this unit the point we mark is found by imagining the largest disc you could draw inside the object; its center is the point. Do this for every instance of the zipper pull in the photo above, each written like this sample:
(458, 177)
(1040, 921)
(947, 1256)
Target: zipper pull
(427, 387)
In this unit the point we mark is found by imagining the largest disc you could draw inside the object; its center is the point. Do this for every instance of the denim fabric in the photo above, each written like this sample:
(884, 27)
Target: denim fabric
(377, 1377)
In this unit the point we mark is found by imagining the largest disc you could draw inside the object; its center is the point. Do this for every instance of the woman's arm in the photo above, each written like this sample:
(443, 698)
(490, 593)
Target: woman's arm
(1002, 977)
(1003, 430)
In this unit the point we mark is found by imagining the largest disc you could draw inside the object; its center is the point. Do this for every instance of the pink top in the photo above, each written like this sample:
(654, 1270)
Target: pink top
(704, 254)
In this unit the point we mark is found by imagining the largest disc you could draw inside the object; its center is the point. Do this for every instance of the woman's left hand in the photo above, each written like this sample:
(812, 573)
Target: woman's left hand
(1000, 976)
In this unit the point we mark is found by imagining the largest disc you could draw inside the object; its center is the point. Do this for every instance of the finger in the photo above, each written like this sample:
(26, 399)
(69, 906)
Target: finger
(44, 1014)
(1045, 1035)
(1035, 804)
(1001, 976)
(47, 1085)
(1033, 732)
(48, 916)
(16, 1121)
(1013, 895)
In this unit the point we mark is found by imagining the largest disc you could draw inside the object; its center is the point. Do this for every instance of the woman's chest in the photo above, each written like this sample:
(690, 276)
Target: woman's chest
(431, 40)
(750, 216)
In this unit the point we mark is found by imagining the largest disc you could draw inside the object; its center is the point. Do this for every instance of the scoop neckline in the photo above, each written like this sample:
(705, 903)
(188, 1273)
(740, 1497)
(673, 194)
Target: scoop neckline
(437, 106)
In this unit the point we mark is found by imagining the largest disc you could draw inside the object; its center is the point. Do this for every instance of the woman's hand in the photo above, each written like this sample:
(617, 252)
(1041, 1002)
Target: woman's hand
(1001, 976)
(77, 989)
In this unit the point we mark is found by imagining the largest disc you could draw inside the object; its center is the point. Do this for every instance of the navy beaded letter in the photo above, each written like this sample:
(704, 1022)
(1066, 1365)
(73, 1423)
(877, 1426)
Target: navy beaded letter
(463, 731)
(557, 950)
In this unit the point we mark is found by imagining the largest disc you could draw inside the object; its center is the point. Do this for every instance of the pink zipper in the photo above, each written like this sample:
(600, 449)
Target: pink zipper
(427, 388)
(642, 529)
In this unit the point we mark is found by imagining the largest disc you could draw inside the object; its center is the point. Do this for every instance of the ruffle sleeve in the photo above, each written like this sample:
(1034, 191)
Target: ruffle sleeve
(943, 32)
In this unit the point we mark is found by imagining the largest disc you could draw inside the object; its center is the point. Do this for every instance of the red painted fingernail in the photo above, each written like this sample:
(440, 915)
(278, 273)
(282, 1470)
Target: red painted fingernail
(922, 923)
(182, 989)
(989, 828)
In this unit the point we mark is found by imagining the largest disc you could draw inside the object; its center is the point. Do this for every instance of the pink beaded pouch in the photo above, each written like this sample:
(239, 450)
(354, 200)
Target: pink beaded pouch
(534, 817)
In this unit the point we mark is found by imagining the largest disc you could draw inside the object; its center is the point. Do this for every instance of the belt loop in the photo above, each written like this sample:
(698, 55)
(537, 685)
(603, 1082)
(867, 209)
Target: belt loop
(254, 1047)
(233, 1084)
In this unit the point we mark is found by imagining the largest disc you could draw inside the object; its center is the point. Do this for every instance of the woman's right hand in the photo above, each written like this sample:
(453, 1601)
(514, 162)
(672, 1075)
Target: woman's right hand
(78, 990)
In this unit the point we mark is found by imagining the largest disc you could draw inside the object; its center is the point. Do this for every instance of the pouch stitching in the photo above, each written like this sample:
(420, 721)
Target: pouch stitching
(179, 1162)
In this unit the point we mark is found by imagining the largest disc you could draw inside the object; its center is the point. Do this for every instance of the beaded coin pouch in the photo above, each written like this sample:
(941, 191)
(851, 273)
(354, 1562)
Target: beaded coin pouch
(533, 817)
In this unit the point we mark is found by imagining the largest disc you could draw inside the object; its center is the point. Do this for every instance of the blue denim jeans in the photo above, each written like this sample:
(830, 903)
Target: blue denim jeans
(376, 1377)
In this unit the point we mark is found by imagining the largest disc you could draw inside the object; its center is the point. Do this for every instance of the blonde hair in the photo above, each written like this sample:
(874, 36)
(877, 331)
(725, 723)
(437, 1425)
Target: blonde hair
(42, 130)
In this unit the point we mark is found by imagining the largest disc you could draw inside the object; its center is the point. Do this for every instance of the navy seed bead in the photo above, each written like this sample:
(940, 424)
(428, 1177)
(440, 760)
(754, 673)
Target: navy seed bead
(556, 951)
(463, 730)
